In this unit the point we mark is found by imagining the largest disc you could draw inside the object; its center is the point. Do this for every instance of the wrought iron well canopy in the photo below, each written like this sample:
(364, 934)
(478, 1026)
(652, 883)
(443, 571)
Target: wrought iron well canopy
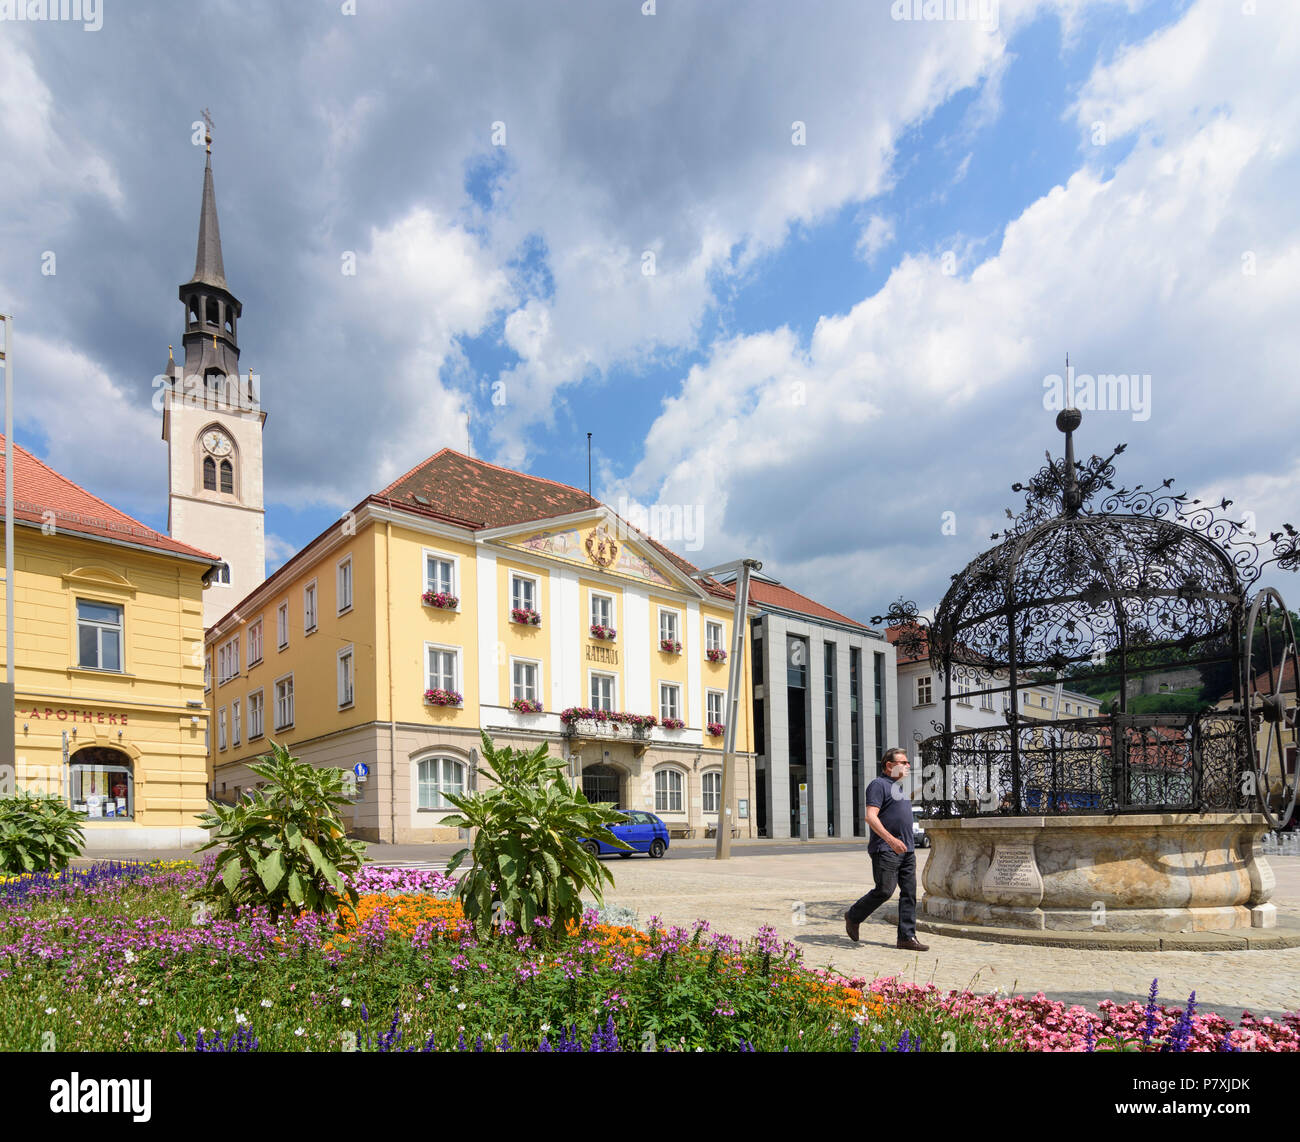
(1121, 582)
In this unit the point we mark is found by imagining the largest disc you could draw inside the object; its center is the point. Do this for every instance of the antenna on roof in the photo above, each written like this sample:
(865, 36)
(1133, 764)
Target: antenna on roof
(589, 495)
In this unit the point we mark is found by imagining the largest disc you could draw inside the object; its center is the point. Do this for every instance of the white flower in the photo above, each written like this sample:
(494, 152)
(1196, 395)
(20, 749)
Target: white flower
(699, 1050)
(460, 1007)
(266, 1003)
(129, 956)
(545, 1027)
(453, 989)
(240, 1017)
(298, 1031)
(144, 1003)
(51, 1010)
(347, 1002)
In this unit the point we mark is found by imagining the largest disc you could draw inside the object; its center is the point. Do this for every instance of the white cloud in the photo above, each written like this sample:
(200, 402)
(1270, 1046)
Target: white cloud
(927, 395)
(875, 236)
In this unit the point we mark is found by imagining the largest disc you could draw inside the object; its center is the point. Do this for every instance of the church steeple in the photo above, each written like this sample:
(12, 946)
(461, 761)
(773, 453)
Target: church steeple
(212, 312)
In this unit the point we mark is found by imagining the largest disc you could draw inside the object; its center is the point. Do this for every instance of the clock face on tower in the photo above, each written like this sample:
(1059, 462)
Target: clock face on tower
(217, 443)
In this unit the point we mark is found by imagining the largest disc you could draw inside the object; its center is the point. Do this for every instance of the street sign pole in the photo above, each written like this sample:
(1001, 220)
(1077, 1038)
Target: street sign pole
(743, 567)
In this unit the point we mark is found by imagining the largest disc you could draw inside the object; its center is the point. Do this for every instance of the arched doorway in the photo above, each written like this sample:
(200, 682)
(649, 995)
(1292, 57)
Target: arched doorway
(102, 783)
(601, 783)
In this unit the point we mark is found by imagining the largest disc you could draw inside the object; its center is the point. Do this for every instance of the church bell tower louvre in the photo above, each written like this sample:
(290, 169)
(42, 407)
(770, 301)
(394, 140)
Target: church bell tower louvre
(212, 422)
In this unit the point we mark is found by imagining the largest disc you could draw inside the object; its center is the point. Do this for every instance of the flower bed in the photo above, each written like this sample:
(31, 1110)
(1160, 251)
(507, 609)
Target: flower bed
(670, 646)
(526, 706)
(443, 697)
(442, 600)
(605, 634)
(716, 655)
(115, 958)
(525, 616)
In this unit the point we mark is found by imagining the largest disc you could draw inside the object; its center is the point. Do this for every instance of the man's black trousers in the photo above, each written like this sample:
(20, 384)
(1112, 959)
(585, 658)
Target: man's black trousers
(891, 870)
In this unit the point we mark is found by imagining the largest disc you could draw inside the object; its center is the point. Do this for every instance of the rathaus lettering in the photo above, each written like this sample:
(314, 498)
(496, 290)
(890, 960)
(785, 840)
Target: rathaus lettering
(602, 654)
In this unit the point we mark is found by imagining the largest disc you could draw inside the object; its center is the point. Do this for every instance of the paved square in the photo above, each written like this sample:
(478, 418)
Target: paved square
(740, 895)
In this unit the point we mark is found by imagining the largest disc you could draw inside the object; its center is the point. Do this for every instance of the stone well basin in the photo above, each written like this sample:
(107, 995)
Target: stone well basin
(1150, 872)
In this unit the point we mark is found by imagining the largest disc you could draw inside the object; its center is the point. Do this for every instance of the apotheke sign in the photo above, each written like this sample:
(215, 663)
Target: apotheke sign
(72, 714)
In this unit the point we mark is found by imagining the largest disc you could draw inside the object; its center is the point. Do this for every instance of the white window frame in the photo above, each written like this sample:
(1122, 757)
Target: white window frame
(962, 680)
(709, 643)
(428, 553)
(441, 761)
(592, 675)
(346, 697)
(256, 727)
(236, 724)
(342, 578)
(605, 597)
(670, 770)
(537, 668)
(228, 660)
(255, 633)
(221, 727)
(676, 689)
(282, 625)
(986, 699)
(454, 651)
(310, 610)
(721, 696)
(275, 693)
(207, 673)
(925, 681)
(676, 636)
(706, 795)
(523, 577)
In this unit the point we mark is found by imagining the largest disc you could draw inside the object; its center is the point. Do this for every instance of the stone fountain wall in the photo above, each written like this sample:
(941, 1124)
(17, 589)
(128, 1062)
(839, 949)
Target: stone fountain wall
(1151, 872)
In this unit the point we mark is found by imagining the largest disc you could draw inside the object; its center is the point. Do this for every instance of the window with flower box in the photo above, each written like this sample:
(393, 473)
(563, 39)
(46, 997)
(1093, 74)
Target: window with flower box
(714, 701)
(442, 674)
(602, 611)
(525, 680)
(669, 630)
(670, 702)
(523, 592)
(713, 636)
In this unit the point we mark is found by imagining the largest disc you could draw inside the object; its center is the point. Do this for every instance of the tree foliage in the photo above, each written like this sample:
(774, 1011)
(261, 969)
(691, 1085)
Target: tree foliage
(38, 833)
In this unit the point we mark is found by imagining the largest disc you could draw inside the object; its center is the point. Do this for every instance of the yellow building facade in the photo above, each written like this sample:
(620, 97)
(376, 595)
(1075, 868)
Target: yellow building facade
(108, 633)
(465, 597)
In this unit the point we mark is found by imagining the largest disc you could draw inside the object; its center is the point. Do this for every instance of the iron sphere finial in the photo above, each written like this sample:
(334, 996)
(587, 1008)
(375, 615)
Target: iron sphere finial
(1068, 419)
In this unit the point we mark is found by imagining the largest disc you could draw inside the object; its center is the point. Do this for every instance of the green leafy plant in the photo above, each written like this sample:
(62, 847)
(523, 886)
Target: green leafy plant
(38, 833)
(282, 846)
(527, 856)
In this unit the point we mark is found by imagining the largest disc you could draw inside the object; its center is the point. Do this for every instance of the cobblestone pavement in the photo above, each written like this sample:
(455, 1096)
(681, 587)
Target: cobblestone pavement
(740, 895)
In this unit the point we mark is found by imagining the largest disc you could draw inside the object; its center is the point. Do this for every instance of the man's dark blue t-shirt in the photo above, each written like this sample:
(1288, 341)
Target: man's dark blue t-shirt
(895, 813)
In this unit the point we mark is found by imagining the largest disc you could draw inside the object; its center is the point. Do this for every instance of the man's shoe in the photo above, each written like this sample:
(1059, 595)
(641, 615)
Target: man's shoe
(850, 928)
(913, 945)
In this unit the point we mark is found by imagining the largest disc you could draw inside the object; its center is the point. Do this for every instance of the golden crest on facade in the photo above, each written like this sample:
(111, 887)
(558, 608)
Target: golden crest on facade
(602, 547)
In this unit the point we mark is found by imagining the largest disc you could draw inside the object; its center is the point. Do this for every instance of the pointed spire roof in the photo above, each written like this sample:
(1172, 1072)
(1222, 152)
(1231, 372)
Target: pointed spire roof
(208, 267)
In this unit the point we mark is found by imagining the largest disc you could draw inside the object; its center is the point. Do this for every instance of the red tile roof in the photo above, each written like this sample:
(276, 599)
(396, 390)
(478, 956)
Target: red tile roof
(1264, 681)
(775, 595)
(894, 633)
(39, 489)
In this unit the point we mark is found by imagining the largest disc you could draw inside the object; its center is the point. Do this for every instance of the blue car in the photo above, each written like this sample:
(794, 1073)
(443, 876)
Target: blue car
(643, 831)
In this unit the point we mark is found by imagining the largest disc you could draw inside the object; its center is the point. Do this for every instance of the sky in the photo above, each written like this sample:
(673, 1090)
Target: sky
(805, 272)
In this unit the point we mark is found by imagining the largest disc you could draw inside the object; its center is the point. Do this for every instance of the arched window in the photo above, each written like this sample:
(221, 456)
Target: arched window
(102, 783)
(214, 385)
(194, 309)
(230, 321)
(669, 787)
(209, 474)
(436, 776)
(227, 478)
(212, 308)
(712, 785)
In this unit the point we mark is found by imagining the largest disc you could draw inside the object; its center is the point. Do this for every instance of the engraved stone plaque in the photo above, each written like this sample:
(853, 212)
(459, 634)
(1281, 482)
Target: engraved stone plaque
(1013, 866)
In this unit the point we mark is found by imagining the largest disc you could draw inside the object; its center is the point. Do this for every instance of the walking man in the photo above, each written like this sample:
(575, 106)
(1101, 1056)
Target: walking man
(893, 856)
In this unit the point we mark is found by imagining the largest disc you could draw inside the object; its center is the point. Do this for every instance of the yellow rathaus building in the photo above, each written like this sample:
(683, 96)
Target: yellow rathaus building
(108, 634)
(465, 596)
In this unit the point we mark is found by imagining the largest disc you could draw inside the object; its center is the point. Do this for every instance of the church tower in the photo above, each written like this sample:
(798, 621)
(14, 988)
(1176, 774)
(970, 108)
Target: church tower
(212, 422)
